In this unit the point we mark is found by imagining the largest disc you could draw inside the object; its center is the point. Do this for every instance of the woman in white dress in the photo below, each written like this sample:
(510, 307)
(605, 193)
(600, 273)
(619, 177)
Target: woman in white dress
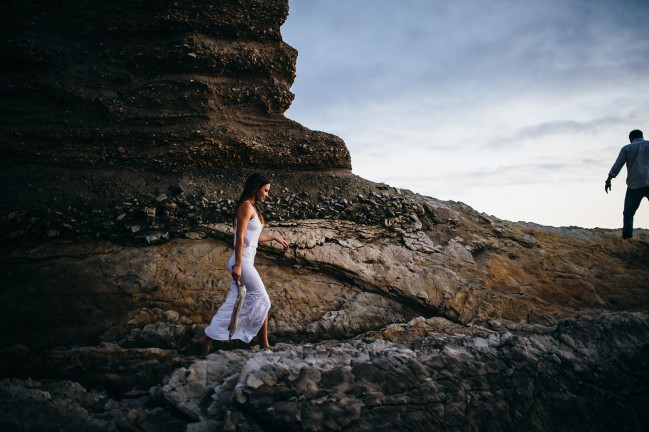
(248, 224)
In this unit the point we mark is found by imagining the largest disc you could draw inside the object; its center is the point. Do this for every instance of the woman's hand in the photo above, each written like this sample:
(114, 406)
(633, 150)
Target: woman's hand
(282, 242)
(266, 238)
(236, 272)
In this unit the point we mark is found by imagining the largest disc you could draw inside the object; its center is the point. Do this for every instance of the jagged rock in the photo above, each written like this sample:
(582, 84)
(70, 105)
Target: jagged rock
(361, 313)
(28, 405)
(463, 378)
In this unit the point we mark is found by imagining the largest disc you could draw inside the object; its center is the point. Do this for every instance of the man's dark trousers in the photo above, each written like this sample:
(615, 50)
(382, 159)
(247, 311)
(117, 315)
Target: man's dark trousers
(631, 203)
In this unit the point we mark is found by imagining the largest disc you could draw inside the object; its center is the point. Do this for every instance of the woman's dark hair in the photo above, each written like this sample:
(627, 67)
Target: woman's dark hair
(253, 183)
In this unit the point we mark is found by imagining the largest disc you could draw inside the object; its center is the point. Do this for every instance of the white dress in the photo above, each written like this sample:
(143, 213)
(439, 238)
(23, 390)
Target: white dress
(256, 304)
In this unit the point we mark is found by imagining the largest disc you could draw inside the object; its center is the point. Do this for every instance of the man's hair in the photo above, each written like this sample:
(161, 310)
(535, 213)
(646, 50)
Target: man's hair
(635, 134)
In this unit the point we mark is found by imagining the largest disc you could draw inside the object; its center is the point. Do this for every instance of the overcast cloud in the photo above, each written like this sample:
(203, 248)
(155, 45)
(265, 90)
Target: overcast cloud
(515, 108)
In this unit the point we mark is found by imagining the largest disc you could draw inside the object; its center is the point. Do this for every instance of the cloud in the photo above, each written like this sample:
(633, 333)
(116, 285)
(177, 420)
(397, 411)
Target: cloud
(460, 46)
(555, 128)
(456, 98)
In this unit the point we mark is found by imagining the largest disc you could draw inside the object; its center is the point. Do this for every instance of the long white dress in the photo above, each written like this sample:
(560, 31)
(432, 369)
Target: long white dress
(256, 304)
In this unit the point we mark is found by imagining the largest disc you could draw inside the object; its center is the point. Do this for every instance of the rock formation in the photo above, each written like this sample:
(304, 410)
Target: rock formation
(127, 130)
(168, 85)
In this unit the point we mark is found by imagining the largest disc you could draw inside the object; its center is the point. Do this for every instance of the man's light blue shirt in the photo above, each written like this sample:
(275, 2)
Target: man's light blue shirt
(636, 157)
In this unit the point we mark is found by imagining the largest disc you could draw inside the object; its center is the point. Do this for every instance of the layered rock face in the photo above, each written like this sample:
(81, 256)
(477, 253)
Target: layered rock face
(170, 85)
(129, 128)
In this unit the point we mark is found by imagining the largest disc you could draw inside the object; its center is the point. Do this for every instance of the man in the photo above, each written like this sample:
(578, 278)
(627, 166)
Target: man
(636, 157)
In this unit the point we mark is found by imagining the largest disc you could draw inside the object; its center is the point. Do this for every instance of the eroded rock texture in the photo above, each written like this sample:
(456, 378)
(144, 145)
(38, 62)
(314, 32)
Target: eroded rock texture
(128, 129)
(576, 376)
(170, 85)
(453, 378)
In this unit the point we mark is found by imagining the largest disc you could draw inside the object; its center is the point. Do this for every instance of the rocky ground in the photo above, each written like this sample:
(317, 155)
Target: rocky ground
(391, 311)
(441, 375)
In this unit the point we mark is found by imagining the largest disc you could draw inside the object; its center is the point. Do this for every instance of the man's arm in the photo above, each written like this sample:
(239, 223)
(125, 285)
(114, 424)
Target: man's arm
(607, 185)
(615, 169)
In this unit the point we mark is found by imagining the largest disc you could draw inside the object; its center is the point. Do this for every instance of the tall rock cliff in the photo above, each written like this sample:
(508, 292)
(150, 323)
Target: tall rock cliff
(128, 129)
(170, 85)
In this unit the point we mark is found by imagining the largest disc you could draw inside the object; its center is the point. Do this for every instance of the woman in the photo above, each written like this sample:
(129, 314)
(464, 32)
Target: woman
(248, 224)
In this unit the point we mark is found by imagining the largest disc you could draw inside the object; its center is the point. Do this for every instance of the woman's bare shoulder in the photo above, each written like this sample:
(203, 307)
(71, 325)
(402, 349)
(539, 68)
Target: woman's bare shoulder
(245, 210)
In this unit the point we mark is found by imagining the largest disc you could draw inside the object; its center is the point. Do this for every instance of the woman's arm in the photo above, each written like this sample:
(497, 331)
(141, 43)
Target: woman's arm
(243, 215)
(265, 239)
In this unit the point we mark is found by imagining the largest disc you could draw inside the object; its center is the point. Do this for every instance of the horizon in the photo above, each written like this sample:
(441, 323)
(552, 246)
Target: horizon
(518, 111)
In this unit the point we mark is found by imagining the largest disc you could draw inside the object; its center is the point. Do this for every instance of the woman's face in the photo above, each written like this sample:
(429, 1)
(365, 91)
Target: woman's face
(262, 193)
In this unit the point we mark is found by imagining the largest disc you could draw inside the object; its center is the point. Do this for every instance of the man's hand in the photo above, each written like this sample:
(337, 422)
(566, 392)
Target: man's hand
(607, 185)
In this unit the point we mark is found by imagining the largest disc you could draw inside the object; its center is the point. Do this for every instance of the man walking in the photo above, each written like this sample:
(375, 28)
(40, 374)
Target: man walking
(636, 157)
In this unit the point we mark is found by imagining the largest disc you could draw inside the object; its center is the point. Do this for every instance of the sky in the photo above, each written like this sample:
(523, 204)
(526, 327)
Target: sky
(516, 108)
